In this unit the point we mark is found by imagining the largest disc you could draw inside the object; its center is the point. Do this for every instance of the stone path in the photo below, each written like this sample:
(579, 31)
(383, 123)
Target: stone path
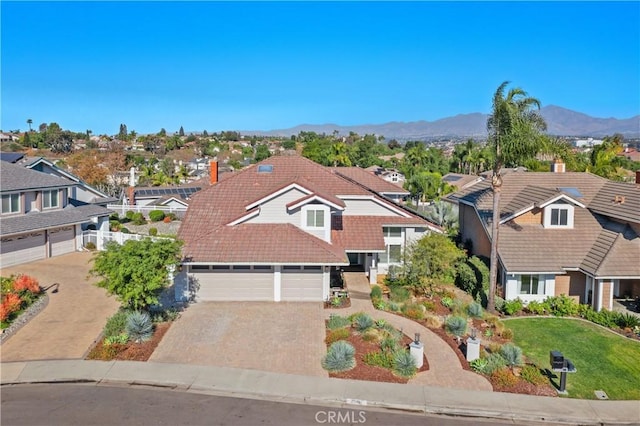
(444, 366)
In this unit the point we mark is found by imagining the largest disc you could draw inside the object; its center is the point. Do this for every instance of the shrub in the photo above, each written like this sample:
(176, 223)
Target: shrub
(474, 310)
(337, 321)
(433, 321)
(499, 301)
(363, 322)
(119, 339)
(371, 335)
(562, 306)
(153, 231)
(90, 246)
(503, 378)
(512, 307)
(340, 357)
(536, 308)
(456, 326)
(381, 323)
(130, 214)
(116, 324)
(447, 302)
(399, 294)
(138, 219)
(394, 307)
(533, 375)
(114, 225)
(156, 215)
(376, 292)
(171, 216)
(512, 354)
(125, 230)
(166, 219)
(507, 334)
(429, 305)
(380, 304)
(404, 365)
(495, 362)
(626, 320)
(479, 365)
(26, 283)
(389, 344)
(139, 326)
(113, 217)
(380, 358)
(338, 334)
(413, 311)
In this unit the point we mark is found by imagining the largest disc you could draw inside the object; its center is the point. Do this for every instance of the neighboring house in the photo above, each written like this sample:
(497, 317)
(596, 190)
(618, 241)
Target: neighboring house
(373, 181)
(38, 218)
(9, 137)
(461, 181)
(80, 192)
(389, 175)
(278, 229)
(560, 233)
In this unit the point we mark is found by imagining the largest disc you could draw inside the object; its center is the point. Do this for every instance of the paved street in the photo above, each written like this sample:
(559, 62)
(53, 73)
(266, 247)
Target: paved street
(285, 337)
(72, 320)
(68, 405)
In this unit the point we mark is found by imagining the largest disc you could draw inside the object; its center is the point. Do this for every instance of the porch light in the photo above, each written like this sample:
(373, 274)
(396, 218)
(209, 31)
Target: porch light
(416, 338)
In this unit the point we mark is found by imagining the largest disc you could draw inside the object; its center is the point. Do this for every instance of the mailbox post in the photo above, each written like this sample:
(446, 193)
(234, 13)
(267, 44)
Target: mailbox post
(562, 365)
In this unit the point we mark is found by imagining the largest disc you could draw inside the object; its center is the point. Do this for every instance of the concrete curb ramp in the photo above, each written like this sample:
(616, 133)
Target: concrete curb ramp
(326, 391)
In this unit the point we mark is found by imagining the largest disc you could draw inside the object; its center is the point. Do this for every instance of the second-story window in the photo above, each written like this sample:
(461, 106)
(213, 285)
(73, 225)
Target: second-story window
(50, 199)
(559, 217)
(11, 203)
(315, 218)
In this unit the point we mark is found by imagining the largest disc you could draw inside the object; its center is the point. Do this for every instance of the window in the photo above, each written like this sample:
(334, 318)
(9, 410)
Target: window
(313, 268)
(315, 218)
(559, 217)
(392, 231)
(11, 203)
(244, 267)
(531, 284)
(199, 267)
(291, 268)
(262, 267)
(50, 199)
(392, 255)
(220, 267)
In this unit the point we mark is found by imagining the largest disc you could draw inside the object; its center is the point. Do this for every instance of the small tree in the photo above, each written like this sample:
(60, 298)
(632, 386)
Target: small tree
(137, 271)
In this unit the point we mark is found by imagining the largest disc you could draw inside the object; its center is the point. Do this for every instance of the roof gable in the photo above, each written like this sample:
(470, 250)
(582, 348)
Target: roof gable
(17, 178)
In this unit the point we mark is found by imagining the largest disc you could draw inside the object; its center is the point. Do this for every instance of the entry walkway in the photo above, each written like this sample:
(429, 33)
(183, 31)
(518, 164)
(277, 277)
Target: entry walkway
(445, 369)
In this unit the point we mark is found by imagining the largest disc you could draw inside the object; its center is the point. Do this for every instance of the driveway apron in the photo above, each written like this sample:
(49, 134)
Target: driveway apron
(282, 337)
(72, 320)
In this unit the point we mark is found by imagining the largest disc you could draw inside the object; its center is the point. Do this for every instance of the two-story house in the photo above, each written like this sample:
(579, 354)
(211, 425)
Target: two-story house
(575, 234)
(275, 230)
(38, 220)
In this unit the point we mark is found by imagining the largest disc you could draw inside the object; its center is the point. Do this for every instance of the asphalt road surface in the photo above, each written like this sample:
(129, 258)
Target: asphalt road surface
(88, 404)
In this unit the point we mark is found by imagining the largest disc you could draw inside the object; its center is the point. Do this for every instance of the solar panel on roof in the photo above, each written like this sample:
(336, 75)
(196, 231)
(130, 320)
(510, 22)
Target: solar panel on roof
(451, 178)
(10, 157)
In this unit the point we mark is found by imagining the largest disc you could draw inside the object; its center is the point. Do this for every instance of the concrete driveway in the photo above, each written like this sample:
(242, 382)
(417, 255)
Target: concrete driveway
(72, 320)
(282, 337)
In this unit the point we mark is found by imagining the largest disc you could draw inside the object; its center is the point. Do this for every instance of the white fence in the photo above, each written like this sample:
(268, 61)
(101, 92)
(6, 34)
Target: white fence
(101, 238)
(122, 209)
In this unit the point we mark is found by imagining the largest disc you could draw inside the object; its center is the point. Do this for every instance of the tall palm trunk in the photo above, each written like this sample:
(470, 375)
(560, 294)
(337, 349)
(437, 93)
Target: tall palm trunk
(496, 186)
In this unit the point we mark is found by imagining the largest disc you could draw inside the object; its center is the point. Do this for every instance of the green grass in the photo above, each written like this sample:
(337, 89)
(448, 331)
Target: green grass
(603, 359)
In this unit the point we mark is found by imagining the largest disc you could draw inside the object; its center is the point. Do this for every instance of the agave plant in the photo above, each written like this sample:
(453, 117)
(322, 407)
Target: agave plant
(456, 326)
(512, 354)
(404, 365)
(340, 357)
(139, 326)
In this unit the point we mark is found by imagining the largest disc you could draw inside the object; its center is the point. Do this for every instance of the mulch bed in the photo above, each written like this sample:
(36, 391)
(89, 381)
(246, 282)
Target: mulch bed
(130, 351)
(524, 387)
(346, 302)
(372, 373)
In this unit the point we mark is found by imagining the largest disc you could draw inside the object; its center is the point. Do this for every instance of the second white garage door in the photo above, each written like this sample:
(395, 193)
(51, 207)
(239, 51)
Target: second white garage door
(234, 284)
(62, 241)
(302, 284)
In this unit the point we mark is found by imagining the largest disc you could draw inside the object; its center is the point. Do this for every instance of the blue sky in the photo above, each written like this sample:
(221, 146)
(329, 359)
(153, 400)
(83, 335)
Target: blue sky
(263, 66)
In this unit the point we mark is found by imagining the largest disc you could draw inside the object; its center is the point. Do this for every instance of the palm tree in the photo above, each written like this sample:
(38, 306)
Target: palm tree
(29, 122)
(514, 128)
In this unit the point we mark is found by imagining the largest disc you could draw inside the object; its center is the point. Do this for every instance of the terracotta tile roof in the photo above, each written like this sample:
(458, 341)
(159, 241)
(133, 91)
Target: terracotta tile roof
(364, 233)
(370, 180)
(208, 238)
(262, 243)
(597, 243)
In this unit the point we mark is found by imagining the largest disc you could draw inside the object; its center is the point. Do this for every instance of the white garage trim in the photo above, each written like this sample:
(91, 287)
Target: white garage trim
(237, 283)
(22, 249)
(62, 241)
(302, 284)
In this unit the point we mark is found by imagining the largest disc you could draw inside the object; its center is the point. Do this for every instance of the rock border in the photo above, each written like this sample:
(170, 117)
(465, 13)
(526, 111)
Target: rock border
(25, 317)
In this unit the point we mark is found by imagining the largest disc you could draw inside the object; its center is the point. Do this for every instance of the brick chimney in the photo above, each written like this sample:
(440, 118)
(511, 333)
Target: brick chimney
(637, 177)
(558, 166)
(213, 172)
(132, 195)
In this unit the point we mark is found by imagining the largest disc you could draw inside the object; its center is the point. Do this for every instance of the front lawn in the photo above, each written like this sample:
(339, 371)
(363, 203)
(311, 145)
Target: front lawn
(604, 360)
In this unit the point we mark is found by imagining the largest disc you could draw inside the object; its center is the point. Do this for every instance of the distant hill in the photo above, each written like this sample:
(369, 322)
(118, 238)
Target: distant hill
(560, 122)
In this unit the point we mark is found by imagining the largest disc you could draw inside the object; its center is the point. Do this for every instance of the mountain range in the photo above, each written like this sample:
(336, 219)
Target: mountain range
(560, 122)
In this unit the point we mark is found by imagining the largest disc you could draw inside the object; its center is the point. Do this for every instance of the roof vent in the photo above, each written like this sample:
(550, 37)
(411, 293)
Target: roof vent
(265, 168)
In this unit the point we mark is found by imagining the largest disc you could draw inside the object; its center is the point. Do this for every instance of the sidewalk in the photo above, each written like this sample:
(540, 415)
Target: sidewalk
(326, 391)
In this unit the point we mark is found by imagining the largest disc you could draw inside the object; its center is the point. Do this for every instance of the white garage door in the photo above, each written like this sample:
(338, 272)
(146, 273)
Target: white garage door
(233, 284)
(62, 241)
(302, 284)
(22, 249)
